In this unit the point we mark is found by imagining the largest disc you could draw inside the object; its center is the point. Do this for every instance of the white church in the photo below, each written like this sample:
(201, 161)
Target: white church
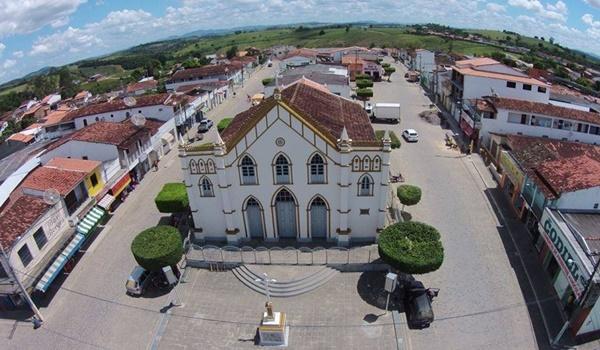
(303, 165)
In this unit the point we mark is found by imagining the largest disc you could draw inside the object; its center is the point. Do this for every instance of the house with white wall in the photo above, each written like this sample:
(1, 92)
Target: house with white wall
(298, 58)
(499, 115)
(303, 165)
(423, 61)
(216, 72)
(337, 84)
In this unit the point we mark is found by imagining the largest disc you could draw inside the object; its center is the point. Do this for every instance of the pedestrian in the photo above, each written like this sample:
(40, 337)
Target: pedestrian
(248, 98)
(155, 165)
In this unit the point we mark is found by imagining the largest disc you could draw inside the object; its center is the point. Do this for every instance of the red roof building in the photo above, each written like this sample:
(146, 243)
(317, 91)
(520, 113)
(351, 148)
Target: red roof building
(18, 218)
(44, 178)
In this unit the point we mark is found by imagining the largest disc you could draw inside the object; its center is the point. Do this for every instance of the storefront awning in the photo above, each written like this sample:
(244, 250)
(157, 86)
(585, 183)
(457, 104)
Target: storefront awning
(58, 264)
(120, 185)
(106, 202)
(90, 221)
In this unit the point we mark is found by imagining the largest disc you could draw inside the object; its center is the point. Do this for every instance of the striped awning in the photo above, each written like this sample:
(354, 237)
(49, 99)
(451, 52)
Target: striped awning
(91, 219)
(106, 202)
(58, 264)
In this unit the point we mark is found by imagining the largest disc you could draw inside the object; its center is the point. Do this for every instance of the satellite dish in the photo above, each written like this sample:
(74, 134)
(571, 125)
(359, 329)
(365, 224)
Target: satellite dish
(51, 196)
(129, 101)
(138, 119)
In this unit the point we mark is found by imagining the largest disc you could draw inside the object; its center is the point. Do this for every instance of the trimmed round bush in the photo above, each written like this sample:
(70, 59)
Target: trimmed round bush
(364, 83)
(408, 194)
(157, 247)
(411, 247)
(364, 93)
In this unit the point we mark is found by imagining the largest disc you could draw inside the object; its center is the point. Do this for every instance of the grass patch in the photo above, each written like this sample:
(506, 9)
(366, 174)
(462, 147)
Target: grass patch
(223, 124)
(393, 136)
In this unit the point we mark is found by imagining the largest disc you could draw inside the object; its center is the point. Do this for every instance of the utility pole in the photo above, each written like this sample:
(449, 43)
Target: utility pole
(26, 296)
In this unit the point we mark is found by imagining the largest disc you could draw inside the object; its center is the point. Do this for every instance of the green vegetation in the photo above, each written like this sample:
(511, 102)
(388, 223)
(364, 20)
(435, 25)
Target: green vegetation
(363, 77)
(408, 195)
(172, 198)
(364, 94)
(267, 81)
(389, 71)
(411, 247)
(224, 123)
(395, 140)
(364, 83)
(157, 247)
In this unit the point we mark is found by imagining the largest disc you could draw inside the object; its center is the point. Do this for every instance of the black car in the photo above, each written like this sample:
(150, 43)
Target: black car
(419, 313)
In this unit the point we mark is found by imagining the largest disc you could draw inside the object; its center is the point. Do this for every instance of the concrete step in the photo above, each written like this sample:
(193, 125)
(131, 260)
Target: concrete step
(284, 288)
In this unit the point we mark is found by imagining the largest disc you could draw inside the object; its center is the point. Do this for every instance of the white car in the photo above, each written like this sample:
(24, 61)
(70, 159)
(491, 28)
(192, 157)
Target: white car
(410, 135)
(205, 125)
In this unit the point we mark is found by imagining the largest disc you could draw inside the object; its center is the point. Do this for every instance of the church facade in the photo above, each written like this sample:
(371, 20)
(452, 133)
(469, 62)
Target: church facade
(303, 165)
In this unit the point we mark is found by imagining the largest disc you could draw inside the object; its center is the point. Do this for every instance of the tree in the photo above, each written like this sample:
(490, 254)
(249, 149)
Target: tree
(363, 76)
(172, 198)
(42, 86)
(190, 63)
(411, 247)
(364, 83)
(597, 85)
(389, 71)
(137, 74)
(65, 82)
(551, 40)
(267, 81)
(364, 95)
(408, 195)
(384, 65)
(322, 32)
(232, 52)
(498, 56)
(157, 247)
(347, 28)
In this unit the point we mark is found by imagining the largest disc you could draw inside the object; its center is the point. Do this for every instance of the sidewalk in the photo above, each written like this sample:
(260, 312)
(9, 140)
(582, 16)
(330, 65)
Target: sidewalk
(545, 311)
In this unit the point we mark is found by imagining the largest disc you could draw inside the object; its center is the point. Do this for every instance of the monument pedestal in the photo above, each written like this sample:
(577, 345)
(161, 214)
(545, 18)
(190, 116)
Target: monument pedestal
(273, 331)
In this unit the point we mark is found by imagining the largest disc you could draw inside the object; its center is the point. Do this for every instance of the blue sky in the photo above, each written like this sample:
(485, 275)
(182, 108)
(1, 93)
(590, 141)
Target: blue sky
(39, 33)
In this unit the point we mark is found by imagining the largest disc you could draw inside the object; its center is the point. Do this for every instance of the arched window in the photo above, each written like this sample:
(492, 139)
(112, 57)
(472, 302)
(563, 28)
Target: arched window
(365, 185)
(206, 188)
(317, 170)
(193, 167)
(282, 170)
(201, 166)
(376, 165)
(366, 164)
(210, 166)
(248, 170)
(356, 163)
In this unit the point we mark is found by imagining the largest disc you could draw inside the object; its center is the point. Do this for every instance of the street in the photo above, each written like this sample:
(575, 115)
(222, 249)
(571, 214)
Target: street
(480, 304)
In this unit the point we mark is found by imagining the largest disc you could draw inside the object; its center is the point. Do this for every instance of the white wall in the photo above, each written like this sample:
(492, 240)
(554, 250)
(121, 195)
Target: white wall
(501, 125)
(583, 199)
(477, 87)
(160, 112)
(296, 61)
(424, 61)
(56, 228)
(209, 212)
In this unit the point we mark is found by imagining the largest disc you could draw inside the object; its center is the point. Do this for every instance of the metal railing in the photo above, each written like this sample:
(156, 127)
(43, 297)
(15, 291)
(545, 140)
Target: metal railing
(211, 254)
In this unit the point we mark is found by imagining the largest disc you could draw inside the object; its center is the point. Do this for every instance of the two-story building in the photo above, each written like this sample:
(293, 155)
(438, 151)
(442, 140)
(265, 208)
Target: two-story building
(423, 61)
(337, 84)
(215, 72)
(500, 115)
(478, 77)
(303, 165)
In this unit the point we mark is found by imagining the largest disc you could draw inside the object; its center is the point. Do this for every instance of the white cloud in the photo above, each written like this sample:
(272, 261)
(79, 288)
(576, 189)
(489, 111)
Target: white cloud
(8, 64)
(557, 11)
(589, 20)
(594, 3)
(2, 47)
(495, 8)
(19, 17)
(18, 54)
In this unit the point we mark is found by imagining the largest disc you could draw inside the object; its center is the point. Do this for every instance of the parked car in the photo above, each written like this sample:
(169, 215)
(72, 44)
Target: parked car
(138, 281)
(369, 108)
(410, 135)
(419, 312)
(205, 125)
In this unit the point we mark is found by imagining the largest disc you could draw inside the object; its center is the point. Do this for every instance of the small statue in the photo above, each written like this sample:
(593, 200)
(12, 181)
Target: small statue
(269, 306)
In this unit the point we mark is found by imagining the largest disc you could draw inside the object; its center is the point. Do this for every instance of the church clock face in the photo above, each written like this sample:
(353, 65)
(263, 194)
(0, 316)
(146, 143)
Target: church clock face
(280, 141)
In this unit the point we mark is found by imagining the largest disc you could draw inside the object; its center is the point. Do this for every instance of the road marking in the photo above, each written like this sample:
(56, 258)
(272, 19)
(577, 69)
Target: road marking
(401, 331)
(510, 233)
(97, 241)
(160, 330)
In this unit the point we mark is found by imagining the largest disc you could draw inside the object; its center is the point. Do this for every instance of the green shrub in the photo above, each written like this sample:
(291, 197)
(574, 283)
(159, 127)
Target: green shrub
(364, 83)
(408, 195)
(385, 65)
(223, 124)
(364, 93)
(395, 140)
(157, 247)
(411, 247)
(172, 198)
(363, 77)
(267, 81)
